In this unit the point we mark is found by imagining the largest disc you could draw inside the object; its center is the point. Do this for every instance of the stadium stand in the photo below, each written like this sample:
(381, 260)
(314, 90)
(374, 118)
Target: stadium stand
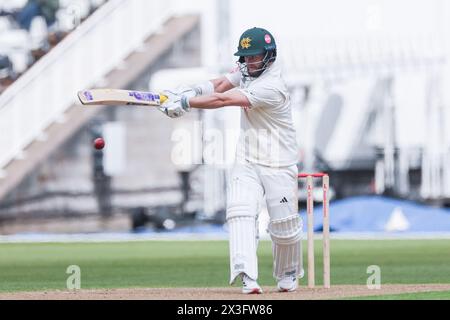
(29, 29)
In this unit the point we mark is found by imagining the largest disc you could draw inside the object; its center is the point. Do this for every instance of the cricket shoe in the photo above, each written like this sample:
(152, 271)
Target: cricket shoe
(250, 286)
(287, 284)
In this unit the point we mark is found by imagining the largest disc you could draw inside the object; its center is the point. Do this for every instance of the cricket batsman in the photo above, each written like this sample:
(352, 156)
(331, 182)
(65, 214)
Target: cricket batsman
(266, 159)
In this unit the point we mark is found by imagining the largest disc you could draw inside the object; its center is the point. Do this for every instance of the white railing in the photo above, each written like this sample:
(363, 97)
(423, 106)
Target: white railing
(48, 89)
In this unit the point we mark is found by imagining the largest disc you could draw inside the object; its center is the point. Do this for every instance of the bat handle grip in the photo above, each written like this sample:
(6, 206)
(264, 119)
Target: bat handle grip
(163, 98)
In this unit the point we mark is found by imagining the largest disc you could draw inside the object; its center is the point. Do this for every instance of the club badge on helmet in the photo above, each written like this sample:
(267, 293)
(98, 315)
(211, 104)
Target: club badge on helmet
(256, 41)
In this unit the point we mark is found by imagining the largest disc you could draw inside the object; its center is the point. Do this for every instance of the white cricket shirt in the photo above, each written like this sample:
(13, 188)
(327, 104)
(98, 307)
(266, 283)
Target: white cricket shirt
(267, 131)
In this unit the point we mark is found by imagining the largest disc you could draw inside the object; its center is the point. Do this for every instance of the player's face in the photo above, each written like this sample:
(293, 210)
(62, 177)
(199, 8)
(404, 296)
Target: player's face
(254, 63)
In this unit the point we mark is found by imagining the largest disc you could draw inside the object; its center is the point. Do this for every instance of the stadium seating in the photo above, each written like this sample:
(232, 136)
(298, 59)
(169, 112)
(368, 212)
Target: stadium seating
(24, 47)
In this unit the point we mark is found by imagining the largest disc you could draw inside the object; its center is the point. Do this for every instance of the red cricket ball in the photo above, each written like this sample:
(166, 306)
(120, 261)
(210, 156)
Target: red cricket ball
(99, 143)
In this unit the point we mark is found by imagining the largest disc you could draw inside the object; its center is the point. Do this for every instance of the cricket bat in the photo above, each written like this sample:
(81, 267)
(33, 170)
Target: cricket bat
(112, 97)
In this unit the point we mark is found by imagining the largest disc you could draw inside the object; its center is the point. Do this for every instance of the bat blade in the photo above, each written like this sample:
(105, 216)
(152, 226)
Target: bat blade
(112, 97)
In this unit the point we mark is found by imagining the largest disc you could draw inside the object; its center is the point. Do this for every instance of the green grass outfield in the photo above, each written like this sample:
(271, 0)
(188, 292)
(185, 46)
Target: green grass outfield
(433, 295)
(42, 266)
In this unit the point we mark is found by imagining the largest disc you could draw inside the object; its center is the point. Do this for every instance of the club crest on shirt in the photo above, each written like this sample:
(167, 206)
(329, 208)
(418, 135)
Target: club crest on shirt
(245, 43)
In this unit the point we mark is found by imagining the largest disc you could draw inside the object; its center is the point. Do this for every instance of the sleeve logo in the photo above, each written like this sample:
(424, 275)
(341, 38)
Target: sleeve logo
(235, 69)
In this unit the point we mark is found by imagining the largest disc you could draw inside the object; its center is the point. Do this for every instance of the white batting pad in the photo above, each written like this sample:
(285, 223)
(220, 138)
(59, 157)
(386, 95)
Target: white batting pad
(242, 210)
(287, 247)
(243, 256)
